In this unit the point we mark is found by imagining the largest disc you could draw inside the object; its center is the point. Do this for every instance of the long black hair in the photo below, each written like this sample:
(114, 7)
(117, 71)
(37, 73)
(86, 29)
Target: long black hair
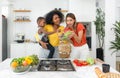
(49, 16)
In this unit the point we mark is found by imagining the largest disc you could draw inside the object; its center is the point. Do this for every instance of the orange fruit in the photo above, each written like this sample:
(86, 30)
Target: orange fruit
(14, 64)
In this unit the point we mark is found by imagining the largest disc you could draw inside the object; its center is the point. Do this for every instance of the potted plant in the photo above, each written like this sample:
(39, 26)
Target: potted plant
(116, 43)
(100, 31)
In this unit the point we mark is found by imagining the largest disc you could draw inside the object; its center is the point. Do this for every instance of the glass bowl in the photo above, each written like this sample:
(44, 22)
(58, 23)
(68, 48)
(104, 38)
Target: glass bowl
(20, 69)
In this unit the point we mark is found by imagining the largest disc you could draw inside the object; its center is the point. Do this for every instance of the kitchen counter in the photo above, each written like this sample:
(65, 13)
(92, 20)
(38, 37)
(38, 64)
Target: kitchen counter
(33, 42)
(81, 72)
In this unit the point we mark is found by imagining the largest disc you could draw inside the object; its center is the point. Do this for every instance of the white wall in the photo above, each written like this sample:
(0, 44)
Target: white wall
(101, 4)
(117, 9)
(110, 6)
(83, 9)
(117, 3)
(117, 16)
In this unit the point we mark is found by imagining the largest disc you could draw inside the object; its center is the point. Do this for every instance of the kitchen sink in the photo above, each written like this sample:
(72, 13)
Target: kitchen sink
(55, 65)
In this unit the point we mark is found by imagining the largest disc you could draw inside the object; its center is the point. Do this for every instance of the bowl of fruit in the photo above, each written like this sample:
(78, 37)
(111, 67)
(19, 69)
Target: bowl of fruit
(24, 64)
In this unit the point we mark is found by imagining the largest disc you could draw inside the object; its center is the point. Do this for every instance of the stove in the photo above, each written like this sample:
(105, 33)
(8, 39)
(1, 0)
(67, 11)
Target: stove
(55, 65)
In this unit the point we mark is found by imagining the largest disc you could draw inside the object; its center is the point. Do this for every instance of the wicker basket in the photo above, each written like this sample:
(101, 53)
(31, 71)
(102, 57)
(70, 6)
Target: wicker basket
(64, 49)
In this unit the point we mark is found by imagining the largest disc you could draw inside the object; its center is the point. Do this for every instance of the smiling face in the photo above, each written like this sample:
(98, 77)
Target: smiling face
(70, 20)
(56, 19)
(41, 23)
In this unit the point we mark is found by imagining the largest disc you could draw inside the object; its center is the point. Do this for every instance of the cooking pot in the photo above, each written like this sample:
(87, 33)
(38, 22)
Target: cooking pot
(20, 41)
(20, 37)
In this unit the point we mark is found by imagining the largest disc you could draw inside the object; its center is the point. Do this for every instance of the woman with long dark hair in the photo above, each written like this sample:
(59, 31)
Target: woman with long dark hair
(78, 37)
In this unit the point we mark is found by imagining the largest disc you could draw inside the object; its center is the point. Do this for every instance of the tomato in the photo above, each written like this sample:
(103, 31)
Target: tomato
(84, 63)
(14, 64)
(79, 64)
(76, 61)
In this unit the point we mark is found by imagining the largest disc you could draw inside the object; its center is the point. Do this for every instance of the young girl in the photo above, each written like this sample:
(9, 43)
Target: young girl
(78, 37)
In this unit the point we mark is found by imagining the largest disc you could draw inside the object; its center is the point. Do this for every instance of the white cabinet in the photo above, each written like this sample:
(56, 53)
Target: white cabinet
(17, 50)
(33, 48)
(24, 49)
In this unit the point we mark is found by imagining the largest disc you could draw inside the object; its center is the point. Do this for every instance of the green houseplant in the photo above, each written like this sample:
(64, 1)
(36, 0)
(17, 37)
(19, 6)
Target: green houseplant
(100, 31)
(116, 43)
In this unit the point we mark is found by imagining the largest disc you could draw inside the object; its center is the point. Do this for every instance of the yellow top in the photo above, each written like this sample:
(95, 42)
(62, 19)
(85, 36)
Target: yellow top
(54, 38)
(37, 37)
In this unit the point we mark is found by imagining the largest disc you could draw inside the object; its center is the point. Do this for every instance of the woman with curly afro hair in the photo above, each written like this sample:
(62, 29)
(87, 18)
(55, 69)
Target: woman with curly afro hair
(53, 20)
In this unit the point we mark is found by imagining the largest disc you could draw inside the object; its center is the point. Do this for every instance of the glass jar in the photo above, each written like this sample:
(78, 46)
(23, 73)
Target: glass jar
(64, 49)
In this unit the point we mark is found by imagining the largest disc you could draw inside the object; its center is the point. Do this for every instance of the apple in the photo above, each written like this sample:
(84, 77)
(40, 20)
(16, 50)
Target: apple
(24, 63)
(90, 60)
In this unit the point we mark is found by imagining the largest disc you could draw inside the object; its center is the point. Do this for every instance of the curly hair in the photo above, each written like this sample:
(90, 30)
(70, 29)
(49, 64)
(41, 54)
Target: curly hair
(49, 16)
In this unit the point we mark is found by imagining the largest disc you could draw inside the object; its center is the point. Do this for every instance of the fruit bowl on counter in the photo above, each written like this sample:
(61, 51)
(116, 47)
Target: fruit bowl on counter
(24, 64)
(22, 69)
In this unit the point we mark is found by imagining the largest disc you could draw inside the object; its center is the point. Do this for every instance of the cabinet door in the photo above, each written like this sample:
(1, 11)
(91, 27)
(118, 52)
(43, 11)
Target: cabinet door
(33, 48)
(17, 50)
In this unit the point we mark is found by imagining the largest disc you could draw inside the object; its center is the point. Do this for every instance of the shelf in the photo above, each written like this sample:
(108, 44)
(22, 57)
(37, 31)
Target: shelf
(22, 10)
(22, 20)
(22, 17)
(64, 10)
